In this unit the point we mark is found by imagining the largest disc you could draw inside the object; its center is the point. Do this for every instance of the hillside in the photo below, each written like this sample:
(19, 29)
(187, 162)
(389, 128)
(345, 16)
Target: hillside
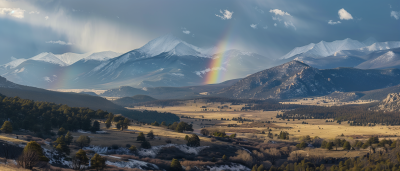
(130, 101)
(391, 102)
(10, 89)
(296, 79)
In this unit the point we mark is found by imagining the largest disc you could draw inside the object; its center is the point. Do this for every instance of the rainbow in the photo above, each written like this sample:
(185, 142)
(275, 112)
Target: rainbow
(217, 69)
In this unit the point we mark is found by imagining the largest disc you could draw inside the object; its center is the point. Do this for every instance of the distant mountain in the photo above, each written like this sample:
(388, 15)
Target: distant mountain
(296, 79)
(391, 102)
(130, 101)
(169, 61)
(347, 54)
(324, 49)
(47, 70)
(385, 59)
(163, 62)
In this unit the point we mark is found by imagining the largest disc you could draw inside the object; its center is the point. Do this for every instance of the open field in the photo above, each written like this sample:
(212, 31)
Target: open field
(315, 127)
(98, 92)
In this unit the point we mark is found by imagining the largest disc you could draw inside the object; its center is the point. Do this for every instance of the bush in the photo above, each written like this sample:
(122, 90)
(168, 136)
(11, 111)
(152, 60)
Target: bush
(98, 162)
(176, 165)
(193, 141)
(141, 137)
(145, 145)
(83, 141)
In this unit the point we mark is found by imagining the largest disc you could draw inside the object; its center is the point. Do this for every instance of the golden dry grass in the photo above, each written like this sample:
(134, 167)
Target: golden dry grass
(315, 127)
(322, 101)
(11, 138)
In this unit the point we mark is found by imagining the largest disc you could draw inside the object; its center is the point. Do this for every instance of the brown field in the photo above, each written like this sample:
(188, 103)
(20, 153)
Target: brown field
(315, 127)
(323, 101)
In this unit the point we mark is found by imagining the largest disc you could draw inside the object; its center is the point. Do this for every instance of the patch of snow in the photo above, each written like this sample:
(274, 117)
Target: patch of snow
(233, 167)
(184, 148)
(134, 164)
(83, 132)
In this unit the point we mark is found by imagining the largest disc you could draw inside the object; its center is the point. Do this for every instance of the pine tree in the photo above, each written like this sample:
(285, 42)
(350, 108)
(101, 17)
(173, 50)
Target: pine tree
(80, 160)
(193, 141)
(254, 168)
(132, 149)
(7, 127)
(83, 141)
(224, 157)
(260, 168)
(61, 146)
(34, 146)
(95, 127)
(346, 146)
(61, 131)
(68, 138)
(126, 123)
(145, 145)
(97, 162)
(175, 165)
(150, 134)
(329, 146)
(108, 123)
(141, 137)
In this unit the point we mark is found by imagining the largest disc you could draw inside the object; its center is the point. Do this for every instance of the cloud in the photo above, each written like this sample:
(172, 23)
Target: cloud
(265, 27)
(275, 24)
(47, 17)
(344, 15)
(60, 42)
(279, 12)
(333, 22)
(185, 31)
(226, 15)
(254, 26)
(276, 18)
(395, 14)
(290, 24)
(34, 12)
(13, 58)
(259, 10)
(14, 12)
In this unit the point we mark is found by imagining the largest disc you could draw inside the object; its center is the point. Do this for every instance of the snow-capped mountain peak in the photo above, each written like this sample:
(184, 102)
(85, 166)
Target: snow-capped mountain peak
(172, 45)
(323, 49)
(48, 57)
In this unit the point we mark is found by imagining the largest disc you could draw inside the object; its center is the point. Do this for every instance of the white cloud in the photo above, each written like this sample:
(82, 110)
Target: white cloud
(13, 58)
(185, 31)
(14, 12)
(34, 12)
(254, 26)
(333, 22)
(344, 15)
(226, 15)
(47, 17)
(395, 14)
(275, 24)
(59, 42)
(265, 27)
(276, 18)
(289, 23)
(279, 12)
(259, 10)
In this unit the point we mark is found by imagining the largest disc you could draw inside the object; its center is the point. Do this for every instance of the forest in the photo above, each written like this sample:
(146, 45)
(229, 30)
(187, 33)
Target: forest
(42, 117)
(356, 115)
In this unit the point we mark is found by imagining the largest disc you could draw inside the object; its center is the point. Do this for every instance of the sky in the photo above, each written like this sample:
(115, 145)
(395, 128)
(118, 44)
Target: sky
(268, 27)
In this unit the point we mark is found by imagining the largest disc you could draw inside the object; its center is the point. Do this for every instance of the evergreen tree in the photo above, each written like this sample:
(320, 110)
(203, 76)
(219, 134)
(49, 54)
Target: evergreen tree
(329, 146)
(126, 123)
(83, 141)
(175, 165)
(80, 160)
(322, 167)
(260, 168)
(118, 125)
(61, 131)
(163, 123)
(7, 127)
(346, 146)
(141, 137)
(187, 138)
(224, 157)
(145, 145)
(150, 135)
(34, 146)
(68, 138)
(97, 162)
(155, 123)
(108, 123)
(193, 141)
(132, 149)
(254, 168)
(61, 146)
(95, 127)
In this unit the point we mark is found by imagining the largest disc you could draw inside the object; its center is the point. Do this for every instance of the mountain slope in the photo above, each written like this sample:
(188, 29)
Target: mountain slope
(296, 79)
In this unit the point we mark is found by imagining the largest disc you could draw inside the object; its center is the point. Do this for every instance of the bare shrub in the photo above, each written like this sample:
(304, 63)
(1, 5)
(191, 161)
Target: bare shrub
(273, 154)
(28, 159)
(295, 156)
(267, 164)
(243, 157)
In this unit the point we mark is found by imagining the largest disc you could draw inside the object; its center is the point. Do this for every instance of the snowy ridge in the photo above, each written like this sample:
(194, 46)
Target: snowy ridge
(65, 59)
(389, 59)
(323, 49)
(173, 46)
(381, 46)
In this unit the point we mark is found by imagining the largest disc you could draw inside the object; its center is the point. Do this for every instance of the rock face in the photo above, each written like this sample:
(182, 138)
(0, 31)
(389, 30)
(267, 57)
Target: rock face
(292, 79)
(391, 102)
(296, 79)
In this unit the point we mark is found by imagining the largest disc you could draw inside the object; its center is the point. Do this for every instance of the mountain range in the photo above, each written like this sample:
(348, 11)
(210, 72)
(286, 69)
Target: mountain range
(164, 61)
(297, 79)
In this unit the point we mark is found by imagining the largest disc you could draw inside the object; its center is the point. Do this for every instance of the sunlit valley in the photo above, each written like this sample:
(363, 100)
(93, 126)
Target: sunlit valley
(199, 85)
